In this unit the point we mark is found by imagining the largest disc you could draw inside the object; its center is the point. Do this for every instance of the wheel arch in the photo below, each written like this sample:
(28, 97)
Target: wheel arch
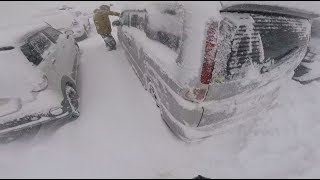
(65, 80)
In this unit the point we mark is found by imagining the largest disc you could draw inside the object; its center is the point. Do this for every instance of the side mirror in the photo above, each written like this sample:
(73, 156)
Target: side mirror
(116, 23)
(68, 32)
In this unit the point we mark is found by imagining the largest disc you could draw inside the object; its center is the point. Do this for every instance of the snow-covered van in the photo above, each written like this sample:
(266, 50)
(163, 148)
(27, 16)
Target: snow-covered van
(38, 70)
(211, 65)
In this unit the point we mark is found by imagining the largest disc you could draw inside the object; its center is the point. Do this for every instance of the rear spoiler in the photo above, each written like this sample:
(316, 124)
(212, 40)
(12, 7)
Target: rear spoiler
(269, 9)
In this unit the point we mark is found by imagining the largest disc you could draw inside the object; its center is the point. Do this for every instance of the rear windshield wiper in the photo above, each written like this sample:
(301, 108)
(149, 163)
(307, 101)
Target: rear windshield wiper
(6, 48)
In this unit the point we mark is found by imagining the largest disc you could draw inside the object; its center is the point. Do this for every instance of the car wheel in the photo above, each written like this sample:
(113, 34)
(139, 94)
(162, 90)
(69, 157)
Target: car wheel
(72, 98)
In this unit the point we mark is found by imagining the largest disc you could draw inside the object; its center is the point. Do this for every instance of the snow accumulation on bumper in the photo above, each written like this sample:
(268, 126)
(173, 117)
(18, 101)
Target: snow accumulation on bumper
(219, 116)
(34, 114)
(27, 122)
(10, 128)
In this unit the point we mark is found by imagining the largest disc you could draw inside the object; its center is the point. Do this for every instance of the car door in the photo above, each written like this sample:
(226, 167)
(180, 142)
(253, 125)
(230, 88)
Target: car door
(132, 43)
(122, 35)
(136, 50)
(66, 53)
(41, 46)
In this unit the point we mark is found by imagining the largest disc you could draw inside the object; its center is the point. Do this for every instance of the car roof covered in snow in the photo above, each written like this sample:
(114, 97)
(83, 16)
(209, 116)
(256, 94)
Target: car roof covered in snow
(17, 34)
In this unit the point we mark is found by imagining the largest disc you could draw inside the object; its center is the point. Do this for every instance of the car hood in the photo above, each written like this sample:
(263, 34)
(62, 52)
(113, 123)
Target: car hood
(17, 75)
(60, 21)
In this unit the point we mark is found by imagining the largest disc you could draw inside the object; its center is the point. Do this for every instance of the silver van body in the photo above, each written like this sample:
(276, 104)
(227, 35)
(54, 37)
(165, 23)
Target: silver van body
(245, 56)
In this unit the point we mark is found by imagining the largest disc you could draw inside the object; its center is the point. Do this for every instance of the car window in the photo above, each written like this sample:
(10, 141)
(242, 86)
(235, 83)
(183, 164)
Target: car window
(166, 27)
(125, 18)
(138, 19)
(142, 21)
(41, 44)
(31, 54)
(52, 34)
(134, 20)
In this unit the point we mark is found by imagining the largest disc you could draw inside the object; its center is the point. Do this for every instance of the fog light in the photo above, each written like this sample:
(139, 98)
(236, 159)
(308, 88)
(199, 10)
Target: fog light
(56, 111)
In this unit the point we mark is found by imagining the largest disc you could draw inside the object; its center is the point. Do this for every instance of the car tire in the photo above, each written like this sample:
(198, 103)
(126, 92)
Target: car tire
(72, 99)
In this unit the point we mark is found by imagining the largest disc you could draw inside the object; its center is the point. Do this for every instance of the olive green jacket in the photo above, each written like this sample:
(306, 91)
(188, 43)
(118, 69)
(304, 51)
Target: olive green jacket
(102, 21)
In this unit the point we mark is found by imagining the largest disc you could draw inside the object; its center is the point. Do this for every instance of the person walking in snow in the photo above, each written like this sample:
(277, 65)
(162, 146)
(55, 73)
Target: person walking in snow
(103, 25)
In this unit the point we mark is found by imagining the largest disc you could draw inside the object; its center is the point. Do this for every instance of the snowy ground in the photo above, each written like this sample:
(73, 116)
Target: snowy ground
(120, 134)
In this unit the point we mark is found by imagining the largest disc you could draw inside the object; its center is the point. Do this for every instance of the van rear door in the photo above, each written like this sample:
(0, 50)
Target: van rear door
(264, 42)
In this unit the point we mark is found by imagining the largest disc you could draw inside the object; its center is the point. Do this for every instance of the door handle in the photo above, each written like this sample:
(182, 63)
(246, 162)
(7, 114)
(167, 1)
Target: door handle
(53, 60)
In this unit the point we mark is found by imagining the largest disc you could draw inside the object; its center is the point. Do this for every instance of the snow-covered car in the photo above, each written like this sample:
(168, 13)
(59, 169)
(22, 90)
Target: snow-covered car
(81, 20)
(212, 67)
(309, 69)
(69, 20)
(38, 69)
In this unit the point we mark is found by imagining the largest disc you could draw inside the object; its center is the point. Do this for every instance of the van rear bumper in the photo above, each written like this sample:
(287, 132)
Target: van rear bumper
(222, 115)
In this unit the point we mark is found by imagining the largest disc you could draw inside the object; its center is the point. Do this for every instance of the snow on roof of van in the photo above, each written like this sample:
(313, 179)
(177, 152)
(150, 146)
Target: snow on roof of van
(211, 7)
(305, 6)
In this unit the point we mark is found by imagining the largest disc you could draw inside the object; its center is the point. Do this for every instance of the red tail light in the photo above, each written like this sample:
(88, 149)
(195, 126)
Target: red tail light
(209, 52)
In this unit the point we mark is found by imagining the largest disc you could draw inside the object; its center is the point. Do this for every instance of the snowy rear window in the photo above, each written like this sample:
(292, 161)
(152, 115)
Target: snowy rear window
(52, 33)
(41, 43)
(31, 54)
(266, 42)
(38, 48)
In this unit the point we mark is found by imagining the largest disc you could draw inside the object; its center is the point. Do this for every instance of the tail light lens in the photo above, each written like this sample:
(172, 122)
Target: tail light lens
(209, 52)
(42, 85)
(198, 94)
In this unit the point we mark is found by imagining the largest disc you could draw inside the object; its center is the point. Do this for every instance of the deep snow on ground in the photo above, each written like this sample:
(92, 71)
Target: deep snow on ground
(120, 134)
